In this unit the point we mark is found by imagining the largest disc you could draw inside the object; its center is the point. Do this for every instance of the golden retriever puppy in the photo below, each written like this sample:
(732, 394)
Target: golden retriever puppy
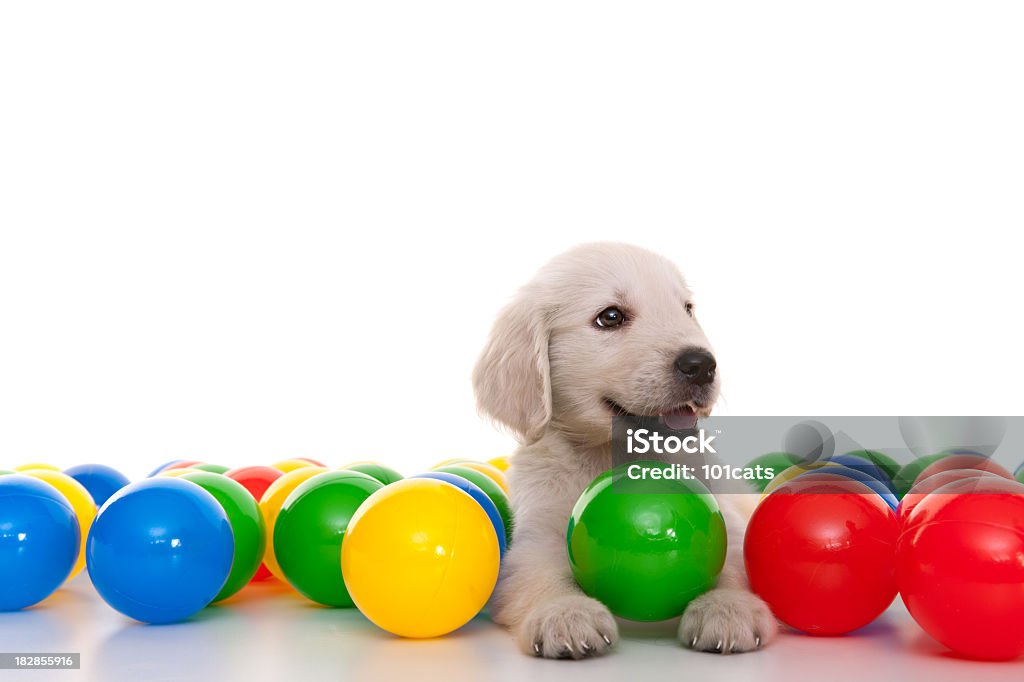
(602, 330)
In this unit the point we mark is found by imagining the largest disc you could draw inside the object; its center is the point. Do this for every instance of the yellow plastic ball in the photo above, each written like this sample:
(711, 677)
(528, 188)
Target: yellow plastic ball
(501, 463)
(271, 503)
(81, 501)
(792, 472)
(489, 470)
(448, 462)
(36, 466)
(289, 465)
(420, 558)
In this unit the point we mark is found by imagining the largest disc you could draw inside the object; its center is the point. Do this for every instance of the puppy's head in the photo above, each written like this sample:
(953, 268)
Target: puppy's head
(601, 330)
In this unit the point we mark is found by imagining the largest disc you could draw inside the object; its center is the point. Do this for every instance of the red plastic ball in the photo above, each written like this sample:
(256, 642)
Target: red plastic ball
(821, 553)
(256, 479)
(960, 567)
(953, 462)
(926, 486)
(184, 464)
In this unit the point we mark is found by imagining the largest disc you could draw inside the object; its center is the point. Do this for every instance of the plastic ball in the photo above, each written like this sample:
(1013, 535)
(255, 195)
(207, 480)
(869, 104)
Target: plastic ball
(959, 567)
(492, 472)
(645, 548)
(288, 465)
(211, 468)
(256, 479)
(101, 481)
(180, 464)
(491, 489)
(246, 521)
(907, 476)
(420, 558)
(888, 465)
(928, 485)
(970, 461)
(81, 501)
(836, 473)
(163, 466)
(310, 533)
(377, 471)
(477, 494)
(5, 472)
(39, 541)
(177, 473)
(270, 506)
(36, 466)
(865, 466)
(501, 463)
(772, 463)
(449, 462)
(160, 550)
(822, 555)
(792, 472)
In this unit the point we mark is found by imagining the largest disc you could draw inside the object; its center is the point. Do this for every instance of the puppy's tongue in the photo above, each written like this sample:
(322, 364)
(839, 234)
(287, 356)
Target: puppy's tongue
(682, 418)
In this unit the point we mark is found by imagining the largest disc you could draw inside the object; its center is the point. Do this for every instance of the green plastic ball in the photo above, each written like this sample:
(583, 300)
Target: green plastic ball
(883, 461)
(246, 524)
(646, 548)
(212, 468)
(4, 472)
(491, 489)
(777, 462)
(311, 528)
(380, 472)
(906, 476)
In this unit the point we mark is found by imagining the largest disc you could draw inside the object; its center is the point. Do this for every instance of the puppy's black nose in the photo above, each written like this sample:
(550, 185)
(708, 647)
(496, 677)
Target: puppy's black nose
(697, 366)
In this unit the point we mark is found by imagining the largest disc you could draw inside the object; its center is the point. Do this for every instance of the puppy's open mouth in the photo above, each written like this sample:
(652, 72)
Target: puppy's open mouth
(682, 417)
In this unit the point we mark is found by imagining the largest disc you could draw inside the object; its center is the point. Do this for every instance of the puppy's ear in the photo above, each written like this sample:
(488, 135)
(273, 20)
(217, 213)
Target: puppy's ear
(512, 380)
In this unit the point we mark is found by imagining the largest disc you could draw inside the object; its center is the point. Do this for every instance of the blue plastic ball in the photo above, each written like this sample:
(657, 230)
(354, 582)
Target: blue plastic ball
(870, 481)
(39, 540)
(163, 466)
(160, 550)
(101, 481)
(866, 466)
(477, 494)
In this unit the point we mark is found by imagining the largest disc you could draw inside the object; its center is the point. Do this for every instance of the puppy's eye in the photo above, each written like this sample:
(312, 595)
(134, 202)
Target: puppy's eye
(610, 317)
(689, 309)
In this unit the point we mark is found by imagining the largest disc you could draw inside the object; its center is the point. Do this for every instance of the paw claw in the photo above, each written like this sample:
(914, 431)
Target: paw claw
(571, 626)
(727, 621)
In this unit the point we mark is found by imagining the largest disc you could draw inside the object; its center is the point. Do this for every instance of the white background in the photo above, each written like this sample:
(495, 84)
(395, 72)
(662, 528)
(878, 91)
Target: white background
(246, 232)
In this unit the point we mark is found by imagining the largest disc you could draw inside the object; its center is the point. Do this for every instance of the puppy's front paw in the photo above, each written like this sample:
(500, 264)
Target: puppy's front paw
(727, 621)
(573, 626)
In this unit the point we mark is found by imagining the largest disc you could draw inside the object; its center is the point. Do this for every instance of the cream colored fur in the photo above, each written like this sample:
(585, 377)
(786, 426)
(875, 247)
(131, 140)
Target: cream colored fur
(545, 375)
